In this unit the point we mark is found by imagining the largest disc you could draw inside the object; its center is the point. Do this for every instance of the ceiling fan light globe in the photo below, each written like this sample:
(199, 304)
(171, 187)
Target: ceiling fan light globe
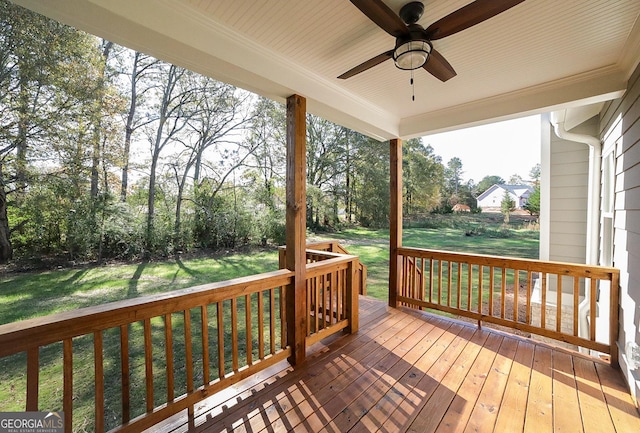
(411, 54)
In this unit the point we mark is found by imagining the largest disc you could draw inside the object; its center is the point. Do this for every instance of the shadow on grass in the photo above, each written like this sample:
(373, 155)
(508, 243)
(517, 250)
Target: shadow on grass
(132, 291)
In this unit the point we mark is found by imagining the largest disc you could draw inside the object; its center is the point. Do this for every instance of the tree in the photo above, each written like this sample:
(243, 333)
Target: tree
(372, 183)
(453, 175)
(507, 205)
(535, 174)
(533, 203)
(422, 177)
(173, 112)
(219, 114)
(141, 67)
(516, 179)
(325, 169)
(47, 86)
(486, 183)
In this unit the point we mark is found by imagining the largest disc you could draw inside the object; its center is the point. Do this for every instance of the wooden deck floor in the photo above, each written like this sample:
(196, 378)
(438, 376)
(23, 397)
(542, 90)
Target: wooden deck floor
(408, 371)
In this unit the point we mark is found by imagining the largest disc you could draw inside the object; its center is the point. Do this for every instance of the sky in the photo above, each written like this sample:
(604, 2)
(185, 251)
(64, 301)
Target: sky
(501, 149)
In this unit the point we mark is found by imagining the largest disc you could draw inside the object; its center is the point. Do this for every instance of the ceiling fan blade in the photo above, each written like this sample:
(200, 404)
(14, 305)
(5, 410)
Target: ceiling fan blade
(468, 16)
(383, 16)
(439, 67)
(367, 65)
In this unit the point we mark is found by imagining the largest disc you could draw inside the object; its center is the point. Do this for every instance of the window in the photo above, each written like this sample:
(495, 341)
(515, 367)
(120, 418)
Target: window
(608, 206)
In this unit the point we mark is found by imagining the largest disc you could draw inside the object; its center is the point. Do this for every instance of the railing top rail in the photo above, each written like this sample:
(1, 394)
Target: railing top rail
(561, 268)
(20, 336)
(337, 263)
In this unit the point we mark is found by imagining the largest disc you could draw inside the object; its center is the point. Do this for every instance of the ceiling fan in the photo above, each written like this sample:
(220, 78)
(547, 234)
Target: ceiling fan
(413, 47)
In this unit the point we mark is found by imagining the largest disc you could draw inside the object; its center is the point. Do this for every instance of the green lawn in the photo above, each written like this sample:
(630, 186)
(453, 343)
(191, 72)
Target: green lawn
(479, 234)
(27, 295)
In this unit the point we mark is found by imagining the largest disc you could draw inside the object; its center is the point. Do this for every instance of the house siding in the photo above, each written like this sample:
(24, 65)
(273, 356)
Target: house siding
(568, 174)
(620, 125)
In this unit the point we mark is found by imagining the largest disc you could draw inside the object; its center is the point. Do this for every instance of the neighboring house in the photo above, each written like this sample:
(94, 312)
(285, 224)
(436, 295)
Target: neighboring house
(492, 197)
(461, 208)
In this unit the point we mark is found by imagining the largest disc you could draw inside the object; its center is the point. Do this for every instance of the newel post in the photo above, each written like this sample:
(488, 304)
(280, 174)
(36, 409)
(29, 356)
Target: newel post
(296, 220)
(395, 220)
(352, 296)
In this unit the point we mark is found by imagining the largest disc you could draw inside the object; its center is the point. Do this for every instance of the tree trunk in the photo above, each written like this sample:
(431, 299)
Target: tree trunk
(6, 250)
(151, 205)
(129, 129)
(97, 121)
(21, 139)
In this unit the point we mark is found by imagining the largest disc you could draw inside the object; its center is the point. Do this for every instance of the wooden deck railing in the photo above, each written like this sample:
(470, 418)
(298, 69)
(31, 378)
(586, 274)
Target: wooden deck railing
(127, 365)
(332, 247)
(550, 299)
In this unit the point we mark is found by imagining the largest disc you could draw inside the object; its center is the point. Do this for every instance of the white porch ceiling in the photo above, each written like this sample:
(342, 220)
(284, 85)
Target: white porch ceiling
(539, 56)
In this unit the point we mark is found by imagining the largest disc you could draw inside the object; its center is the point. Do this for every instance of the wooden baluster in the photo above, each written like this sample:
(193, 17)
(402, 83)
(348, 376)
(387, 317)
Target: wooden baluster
(516, 289)
(543, 313)
(124, 374)
(449, 279)
(559, 304)
(492, 277)
(480, 278)
(430, 280)
(283, 317)
(592, 309)
(316, 299)
(168, 354)
(503, 292)
(261, 324)
(439, 302)
(469, 285)
(99, 381)
(459, 287)
(334, 285)
(529, 289)
(403, 276)
(67, 399)
(340, 296)
(148, 364)
(33, 378)
(247, 327)
(423, 286)
(204, 323)
(220, 324)
(576, 302)
(272, 318)
(235, 363)
(188, 355)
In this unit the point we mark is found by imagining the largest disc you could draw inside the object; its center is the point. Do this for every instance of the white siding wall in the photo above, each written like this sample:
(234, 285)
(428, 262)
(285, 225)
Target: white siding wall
(492, 200)
(568, 178)
(620, 123)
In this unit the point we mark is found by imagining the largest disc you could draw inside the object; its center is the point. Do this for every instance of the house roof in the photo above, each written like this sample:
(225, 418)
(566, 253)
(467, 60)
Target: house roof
(517, 190)
(539, 56)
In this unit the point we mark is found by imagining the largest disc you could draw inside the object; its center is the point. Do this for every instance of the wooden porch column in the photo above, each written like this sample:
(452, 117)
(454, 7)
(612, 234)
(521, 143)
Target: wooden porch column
(395, 220)
(296, 302)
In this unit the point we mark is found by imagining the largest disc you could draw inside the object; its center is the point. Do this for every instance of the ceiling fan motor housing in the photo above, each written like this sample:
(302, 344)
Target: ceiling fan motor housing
(411, 12)
(412, 50)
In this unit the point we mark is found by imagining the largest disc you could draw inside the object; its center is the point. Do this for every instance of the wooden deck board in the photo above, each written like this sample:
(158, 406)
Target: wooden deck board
(408, 371)
(485, 412)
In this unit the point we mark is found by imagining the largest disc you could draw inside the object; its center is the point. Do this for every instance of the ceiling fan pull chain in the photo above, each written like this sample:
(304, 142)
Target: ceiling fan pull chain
(413, 89)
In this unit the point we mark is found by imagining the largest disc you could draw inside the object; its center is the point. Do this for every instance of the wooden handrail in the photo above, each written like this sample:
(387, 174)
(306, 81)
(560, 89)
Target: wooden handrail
(475, 286)
(324, 250)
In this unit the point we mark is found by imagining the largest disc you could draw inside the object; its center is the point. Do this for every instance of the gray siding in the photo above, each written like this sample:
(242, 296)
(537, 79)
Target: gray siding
(569, 168)
(620, 123)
